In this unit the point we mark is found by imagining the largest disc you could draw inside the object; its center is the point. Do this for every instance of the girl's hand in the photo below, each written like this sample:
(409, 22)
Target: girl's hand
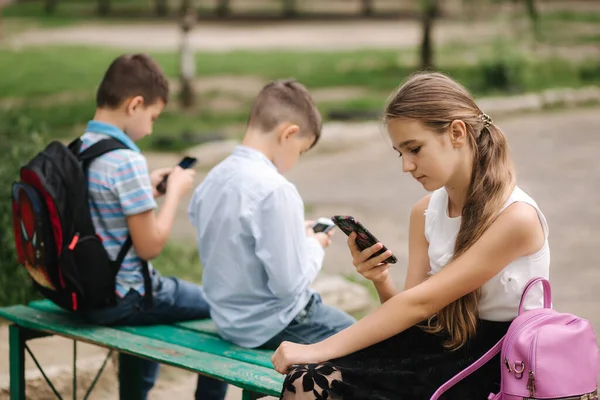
(288, 354)
(373, 269)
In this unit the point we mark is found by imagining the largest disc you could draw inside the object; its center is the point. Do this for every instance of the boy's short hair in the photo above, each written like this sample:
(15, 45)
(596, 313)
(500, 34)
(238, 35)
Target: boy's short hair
(285, 101)
(132, 75)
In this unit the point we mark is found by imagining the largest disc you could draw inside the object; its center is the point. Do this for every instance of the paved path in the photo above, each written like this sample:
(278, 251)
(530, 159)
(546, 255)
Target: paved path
(210, 36)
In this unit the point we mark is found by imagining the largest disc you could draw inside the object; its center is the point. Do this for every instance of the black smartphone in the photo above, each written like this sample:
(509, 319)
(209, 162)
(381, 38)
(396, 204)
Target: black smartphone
(186, 162)
(323, 225)
(364, 238)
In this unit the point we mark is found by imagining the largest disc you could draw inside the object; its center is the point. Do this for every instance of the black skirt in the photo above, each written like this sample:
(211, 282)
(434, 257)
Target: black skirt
(409, 366)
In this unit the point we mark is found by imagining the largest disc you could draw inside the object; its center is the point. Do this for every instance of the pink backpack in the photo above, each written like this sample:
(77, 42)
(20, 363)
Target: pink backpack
(544, 355)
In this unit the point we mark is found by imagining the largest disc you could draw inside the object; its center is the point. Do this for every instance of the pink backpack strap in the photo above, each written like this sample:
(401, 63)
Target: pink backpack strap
(469, 370)
(547, 293)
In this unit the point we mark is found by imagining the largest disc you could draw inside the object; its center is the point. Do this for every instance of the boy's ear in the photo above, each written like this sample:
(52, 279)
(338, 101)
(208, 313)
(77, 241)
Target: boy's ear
(133, 103)
(288, 131)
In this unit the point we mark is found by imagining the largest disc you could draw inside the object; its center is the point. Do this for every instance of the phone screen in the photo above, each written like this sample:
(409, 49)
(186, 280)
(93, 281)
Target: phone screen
(364, 238)
(323, 225)
(188, 162)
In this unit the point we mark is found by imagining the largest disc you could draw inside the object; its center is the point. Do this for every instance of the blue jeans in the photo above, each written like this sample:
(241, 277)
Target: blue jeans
(314, 323)
(174, 300)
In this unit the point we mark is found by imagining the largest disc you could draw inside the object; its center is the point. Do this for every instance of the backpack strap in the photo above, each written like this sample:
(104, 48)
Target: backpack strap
(469, 370)
(86, 157)
(96, 150)
(145, 270)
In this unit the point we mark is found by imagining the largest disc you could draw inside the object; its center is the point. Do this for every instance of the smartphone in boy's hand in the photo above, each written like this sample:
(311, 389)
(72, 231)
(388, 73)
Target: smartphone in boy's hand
(323, 225)
(186, 162)
(364, 238)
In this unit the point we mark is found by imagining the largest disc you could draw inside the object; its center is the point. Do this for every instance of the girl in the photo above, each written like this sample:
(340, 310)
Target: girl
(473, 245)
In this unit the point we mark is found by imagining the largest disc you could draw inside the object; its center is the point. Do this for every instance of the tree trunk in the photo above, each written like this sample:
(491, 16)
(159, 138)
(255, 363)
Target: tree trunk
(3, 3)
(50, 6)
(184, 6)
(367, 7)
(103, 7)
(187, 62)
(534, 17)
(162, 8)
(223, 8)
(289, 8)
(429, 10)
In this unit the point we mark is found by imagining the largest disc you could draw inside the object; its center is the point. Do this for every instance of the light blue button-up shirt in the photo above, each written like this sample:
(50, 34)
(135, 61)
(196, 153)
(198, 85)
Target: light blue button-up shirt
(258, 262)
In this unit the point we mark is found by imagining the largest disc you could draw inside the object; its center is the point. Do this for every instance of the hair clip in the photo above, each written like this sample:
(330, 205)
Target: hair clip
(487, 120)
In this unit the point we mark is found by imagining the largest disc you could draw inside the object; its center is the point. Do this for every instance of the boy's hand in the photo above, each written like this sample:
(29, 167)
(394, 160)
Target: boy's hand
(156, 177)
(323, 238)
(180, 181)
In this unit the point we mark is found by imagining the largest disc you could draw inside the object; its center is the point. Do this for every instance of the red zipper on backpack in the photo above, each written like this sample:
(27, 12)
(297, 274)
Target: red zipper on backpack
(74, 241)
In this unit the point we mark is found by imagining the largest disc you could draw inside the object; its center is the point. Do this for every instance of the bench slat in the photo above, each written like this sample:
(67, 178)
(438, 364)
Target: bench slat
(201, 325)
(244, 375)
(190, 338)
(202, 342)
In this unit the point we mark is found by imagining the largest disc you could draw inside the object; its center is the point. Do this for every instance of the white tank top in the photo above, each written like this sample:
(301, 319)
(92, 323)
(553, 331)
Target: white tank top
(500, 296)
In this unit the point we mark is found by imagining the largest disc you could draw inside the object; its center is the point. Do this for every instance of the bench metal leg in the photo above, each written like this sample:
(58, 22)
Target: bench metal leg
(16, 338)
(130, 377)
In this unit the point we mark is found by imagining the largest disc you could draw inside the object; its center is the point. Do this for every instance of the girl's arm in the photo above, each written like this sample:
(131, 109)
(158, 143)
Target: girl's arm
(515, 233)
(418, 259)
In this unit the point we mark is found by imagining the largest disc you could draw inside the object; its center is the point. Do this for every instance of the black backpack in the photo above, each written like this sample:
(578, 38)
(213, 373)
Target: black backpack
(54, 233)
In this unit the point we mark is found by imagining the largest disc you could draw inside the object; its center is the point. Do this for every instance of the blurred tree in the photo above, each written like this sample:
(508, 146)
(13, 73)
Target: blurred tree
(223, 8)
(162, 8)
(429, 11)
(187, 62)
(103, 7)
(289, 8)
(534, 17)
(20, 139)
(183, 6)
(3, 3)
(50, 6)
(367, 7)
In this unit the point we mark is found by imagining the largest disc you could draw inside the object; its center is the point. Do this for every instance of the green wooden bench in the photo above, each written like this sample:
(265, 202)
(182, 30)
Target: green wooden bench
(193, 345)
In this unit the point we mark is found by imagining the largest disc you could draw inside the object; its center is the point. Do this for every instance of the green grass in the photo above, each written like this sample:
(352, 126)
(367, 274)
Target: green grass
(26, 72)
(55, 86)
(50, 70)
(180, 261)
(173, 131)
(572, 16)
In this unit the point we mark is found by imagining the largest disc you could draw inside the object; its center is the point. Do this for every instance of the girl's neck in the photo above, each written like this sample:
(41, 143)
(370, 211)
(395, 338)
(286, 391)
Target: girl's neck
(457, 188)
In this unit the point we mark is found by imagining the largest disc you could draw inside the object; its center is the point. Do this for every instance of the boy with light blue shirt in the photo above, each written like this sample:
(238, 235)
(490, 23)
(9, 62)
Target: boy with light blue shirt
(122, 194)
(258, 253)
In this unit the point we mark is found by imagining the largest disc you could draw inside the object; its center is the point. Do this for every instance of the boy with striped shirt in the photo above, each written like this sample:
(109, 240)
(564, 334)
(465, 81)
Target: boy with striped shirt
(122, 194)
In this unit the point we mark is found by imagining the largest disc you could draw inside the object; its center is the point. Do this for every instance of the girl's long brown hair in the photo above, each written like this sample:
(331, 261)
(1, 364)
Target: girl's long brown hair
(436, 100)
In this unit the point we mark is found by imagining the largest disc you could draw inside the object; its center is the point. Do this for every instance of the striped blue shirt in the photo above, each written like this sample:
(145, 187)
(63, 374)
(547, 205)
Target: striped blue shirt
(119, 186)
